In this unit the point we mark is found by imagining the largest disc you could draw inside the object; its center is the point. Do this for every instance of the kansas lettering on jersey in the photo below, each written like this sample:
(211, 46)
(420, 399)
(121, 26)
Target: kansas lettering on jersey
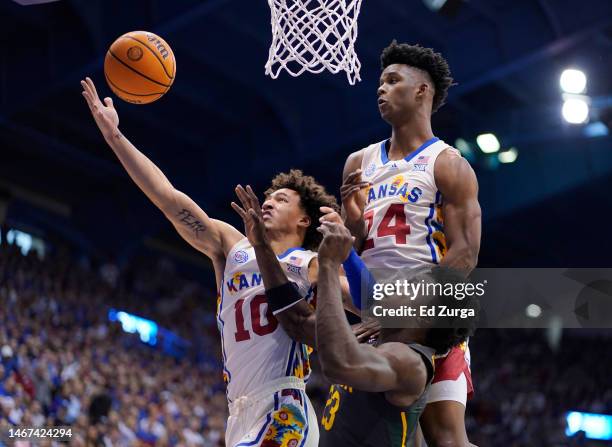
(403, 208)
(255, 348)
(354, 418)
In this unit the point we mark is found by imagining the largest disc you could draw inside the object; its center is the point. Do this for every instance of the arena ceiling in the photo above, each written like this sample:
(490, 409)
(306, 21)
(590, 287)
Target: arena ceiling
(224, 122)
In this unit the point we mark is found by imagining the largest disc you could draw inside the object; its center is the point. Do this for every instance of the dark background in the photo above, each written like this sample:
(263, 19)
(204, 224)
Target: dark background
(225, 122)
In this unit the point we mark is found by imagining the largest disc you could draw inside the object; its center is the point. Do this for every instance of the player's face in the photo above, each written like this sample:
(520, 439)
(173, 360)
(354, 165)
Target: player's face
(398, 92)
(282, 211)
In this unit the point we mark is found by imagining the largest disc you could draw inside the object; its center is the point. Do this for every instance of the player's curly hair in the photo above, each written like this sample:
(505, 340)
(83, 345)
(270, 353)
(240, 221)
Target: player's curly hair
(312, 196)
(425, 59)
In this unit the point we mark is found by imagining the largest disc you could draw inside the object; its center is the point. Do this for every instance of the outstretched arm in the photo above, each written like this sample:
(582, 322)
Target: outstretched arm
(457, 182)
(390, 367)
(210, 236)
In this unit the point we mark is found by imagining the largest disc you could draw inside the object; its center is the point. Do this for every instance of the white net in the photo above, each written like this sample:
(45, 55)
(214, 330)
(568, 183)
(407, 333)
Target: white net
(314, 35)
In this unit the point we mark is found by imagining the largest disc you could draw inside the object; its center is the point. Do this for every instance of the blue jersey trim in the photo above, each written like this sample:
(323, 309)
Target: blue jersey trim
(430, 231)
(290, 250)
(291, 358)
(385, 158)
(229, 375)
(383, 152)
(304, 399)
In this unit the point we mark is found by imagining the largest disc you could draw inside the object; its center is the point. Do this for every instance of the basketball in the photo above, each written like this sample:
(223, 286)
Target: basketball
(139, 67)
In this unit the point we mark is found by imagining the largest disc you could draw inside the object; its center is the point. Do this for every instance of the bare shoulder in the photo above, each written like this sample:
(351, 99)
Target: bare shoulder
(411, 370)
(313, 270)
(402, 355)
(230, 236)
(353, 162)
(449, 159)
(452, 170)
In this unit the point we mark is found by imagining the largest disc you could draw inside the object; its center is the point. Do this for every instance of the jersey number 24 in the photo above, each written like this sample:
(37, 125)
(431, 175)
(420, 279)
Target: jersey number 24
(400, 228)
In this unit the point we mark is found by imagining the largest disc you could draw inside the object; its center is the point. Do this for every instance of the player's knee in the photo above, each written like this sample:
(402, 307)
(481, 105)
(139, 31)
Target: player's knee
(446, 439)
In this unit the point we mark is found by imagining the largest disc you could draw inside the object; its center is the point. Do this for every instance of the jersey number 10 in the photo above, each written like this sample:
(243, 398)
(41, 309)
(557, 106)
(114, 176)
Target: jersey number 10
(400, 228)
(242, 333)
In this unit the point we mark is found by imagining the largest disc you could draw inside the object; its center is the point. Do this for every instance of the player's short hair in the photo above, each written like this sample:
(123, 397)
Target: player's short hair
(449, 331)
(425, 59)
(312, 196)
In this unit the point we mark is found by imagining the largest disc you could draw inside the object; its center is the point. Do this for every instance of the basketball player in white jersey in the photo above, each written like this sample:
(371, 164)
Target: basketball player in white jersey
(412, 201)
(264, 368)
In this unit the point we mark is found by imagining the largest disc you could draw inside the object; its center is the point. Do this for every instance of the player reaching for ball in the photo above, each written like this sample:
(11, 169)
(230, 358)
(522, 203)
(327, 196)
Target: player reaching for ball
(412, 201)
(265, 369)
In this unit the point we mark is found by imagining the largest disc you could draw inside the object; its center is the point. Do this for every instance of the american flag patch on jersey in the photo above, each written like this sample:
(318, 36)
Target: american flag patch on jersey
(295, 260)
(420, 163)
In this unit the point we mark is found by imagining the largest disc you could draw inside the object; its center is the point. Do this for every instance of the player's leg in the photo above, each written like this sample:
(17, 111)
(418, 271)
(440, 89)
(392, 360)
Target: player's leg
(443, 424)
(443, 421)
(293, 421)
(287, 418)
(312, 437)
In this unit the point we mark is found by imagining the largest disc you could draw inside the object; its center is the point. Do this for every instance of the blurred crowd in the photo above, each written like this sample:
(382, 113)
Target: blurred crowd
(64, 364)
(526, 381)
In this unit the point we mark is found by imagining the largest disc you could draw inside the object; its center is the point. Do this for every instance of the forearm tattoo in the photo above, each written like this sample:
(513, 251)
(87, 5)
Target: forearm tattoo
(191, 222)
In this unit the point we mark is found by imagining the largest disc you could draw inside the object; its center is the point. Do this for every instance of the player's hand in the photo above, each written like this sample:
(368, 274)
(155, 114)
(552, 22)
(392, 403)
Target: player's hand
(251, 215)
(105, 114)
(330, 215)
(366, 330)
(353, 194)
(336, 244)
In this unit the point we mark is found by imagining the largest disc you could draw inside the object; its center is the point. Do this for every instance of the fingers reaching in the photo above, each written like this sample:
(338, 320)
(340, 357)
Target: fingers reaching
(353, 177)
(249, 201)
(242, 196)
(330, 215)
(94, 92)
(255, 215)
(324, 228)
(91, 95)
(88, 100)
(367, 329)
(348, 189)
(242, 213)
(347, 192)
(253, 198)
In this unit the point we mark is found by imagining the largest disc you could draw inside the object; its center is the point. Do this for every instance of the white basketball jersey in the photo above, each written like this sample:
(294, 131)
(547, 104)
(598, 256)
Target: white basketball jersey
(255, 347)
(403, 208)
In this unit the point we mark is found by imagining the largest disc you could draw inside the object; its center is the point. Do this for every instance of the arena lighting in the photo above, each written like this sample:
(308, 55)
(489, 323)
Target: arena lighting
(508, 156)
(533, 311)
(596, 129)
(594, 425)
(463, 146)
(575, 110)
(573, 81)
(448, 8)
(147, 329)
(33, 2)
(488, 143)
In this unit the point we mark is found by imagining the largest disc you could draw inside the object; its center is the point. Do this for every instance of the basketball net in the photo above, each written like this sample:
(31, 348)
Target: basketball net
(314, 35)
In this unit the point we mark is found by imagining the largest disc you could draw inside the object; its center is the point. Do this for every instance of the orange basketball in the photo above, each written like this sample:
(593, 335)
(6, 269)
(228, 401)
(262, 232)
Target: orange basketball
(139, 67)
